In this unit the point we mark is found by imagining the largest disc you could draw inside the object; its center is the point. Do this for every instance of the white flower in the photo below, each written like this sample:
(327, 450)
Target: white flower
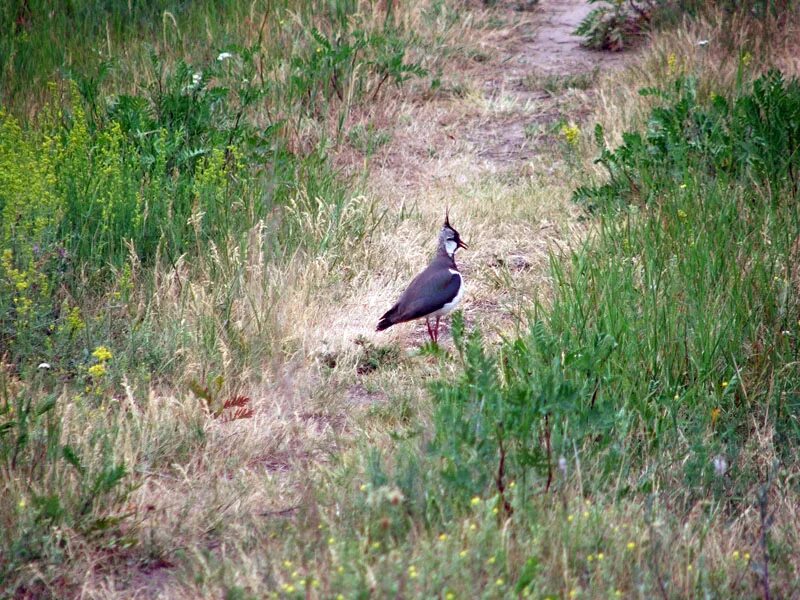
(44, 366)
(720, 465)
(224, 55)
(702, 43)
(562, 465)
(197, 77)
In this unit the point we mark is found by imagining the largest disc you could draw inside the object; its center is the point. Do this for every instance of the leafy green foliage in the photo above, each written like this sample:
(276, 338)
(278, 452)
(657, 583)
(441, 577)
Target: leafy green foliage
(505, 417)
(616, 23)
(666, 334)
(754, 138)
(55, 484)
(189, 161)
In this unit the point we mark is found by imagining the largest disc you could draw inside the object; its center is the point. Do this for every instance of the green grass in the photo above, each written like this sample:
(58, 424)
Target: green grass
(169, 217)
(175, 169)
(665, 368)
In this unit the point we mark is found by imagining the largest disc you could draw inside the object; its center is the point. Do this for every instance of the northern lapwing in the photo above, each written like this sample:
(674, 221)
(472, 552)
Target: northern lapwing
(434, 292)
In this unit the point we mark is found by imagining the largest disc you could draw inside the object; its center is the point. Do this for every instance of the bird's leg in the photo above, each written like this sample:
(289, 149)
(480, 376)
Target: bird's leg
(437, 330)
(430, 331)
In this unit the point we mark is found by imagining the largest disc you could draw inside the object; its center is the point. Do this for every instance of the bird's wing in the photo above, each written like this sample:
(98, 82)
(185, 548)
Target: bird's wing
(427, 293)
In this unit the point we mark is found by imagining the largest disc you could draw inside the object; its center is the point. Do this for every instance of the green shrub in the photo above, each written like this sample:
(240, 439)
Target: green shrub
(501, 420)
(668, 333)
(192, 160)
(755, 138)
(616, 23)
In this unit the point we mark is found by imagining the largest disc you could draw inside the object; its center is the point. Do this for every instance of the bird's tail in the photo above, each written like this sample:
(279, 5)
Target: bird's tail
(387, 320)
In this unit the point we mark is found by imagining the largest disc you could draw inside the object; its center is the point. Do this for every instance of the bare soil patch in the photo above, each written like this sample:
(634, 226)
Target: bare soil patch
(502, 110)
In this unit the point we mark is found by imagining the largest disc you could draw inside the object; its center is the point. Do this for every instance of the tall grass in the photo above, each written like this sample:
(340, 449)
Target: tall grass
(666, 366)
(165, 182)
(199, 153)
(170, 210)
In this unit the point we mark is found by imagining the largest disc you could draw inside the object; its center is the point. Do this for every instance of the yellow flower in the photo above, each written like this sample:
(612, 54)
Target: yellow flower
(724, 384)
(512, 484)
(631, 545)
(97, 371)
(682, 214)
(288, 588)
(747, 58)
(735, 555)
(22, 503)
(491, 560)
(102, 354)
(747, 556)
(74, 323)
(600, 556)
(287, 564)
(570, 518)
(472, 527)
(672, 61)
(499, 581)
(376, 545)
(590, 558)
(618, 593)
(449, 596)
(475, 501)
(412, 572)
(363, 487)
(339, 596)
(340, 569)
(689, 568)
(573, 593)
(463, 553)
(586, 514)
(331, 541)
(571, 133)
(442, 537)
(495, 510)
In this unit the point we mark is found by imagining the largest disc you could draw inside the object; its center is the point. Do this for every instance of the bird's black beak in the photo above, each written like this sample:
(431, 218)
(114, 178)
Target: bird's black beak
(461, 244)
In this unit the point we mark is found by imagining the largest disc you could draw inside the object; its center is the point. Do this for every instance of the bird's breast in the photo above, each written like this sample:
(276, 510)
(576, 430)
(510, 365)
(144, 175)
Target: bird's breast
(449, 306)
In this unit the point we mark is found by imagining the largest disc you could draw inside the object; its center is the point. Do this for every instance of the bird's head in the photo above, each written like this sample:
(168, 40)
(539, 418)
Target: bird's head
(449, 239)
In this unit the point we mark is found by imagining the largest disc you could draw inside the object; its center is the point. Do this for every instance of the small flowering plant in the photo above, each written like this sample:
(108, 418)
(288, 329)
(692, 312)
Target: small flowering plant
(571, 133)
(99, 369)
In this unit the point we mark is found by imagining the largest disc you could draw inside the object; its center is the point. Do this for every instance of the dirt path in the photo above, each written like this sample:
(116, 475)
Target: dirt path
(555, 48)
(538, 76)
(486, 144)
(533, 75)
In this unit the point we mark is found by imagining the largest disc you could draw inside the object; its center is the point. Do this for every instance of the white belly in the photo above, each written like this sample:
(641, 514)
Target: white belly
(454, 302)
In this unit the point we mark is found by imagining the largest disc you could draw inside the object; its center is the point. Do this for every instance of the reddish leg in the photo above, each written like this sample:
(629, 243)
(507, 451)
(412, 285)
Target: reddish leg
(430, 331)
(437, 330)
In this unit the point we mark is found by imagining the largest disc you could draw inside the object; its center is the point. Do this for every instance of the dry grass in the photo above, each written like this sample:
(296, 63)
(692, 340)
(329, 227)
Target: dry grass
(231, 504)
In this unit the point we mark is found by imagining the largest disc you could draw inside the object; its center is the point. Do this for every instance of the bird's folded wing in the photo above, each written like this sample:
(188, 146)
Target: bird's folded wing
(430, 291)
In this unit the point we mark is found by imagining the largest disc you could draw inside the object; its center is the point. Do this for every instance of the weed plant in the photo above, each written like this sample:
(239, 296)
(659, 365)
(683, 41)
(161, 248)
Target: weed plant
(668, 357)
(154, 197)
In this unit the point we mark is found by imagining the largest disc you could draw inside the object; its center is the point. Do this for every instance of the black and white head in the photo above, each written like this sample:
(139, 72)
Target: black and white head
(449, 240)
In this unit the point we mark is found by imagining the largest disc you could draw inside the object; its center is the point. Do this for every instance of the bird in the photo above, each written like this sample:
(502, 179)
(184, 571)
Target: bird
(435, 291)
